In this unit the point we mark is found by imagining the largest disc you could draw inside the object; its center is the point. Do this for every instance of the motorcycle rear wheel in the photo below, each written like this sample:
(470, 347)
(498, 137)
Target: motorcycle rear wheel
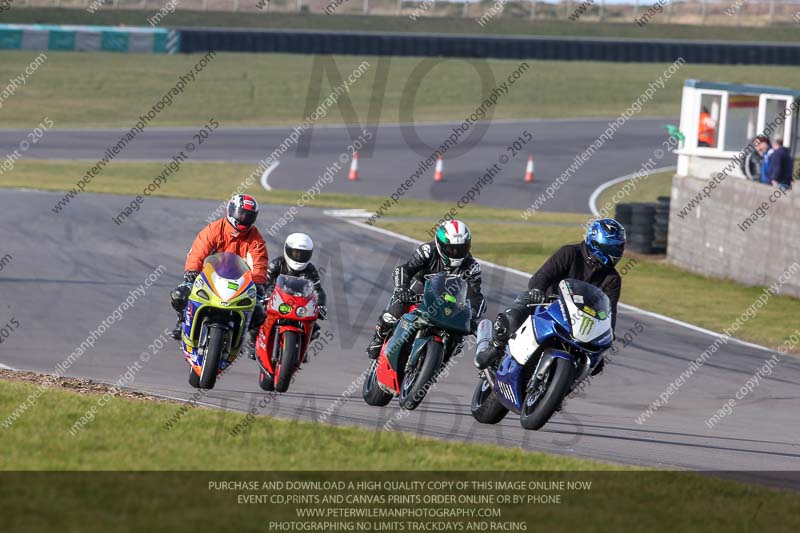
(265, 381)
(539, 406)
(420, 379)
(372, 393)
(486, 407)
(194, 379)
(210, 370)
(289, 353)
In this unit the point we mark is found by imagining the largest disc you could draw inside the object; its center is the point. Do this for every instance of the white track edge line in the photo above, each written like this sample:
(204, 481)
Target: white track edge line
(596, 193)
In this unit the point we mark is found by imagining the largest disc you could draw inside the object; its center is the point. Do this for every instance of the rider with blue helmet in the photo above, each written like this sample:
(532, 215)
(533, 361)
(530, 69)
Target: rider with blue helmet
(592, 261)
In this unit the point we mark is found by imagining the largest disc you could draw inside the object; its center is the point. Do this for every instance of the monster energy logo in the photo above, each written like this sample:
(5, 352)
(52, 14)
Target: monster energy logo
(586, 325)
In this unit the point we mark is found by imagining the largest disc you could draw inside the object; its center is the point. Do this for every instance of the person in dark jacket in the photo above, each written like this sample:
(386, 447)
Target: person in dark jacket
(592, 261)
(296, 262)
(781, 166)
(449, 252)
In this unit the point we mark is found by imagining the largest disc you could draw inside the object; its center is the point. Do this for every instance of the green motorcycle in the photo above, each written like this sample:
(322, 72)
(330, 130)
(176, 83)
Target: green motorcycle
(423, 341)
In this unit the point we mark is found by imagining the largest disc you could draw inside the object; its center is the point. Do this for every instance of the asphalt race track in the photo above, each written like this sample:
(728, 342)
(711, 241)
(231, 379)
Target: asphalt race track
(70, 271)
(397, 153)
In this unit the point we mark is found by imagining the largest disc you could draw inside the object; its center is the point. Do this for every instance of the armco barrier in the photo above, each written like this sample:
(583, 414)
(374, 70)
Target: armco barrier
(425, 45)
(88, 38)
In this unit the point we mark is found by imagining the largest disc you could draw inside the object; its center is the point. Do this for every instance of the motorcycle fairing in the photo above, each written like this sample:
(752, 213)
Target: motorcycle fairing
(509, 385)
(522, 345)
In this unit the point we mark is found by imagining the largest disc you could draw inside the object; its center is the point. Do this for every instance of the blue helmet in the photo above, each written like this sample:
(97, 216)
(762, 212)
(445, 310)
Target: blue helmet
(605, 241)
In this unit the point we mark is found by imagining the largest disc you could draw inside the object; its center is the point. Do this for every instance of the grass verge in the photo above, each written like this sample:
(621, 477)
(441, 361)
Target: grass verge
(40, 440)
(649, 283)
(127, 435)
(76, 89)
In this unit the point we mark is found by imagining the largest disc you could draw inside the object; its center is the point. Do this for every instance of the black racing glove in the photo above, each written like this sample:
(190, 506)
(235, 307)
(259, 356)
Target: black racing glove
(531, 297)
(404, 295)
(261, 292)
(322, 312)
(189, 276)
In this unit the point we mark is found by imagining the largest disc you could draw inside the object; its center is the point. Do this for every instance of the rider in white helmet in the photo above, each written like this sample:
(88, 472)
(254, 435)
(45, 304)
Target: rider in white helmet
(296, 261)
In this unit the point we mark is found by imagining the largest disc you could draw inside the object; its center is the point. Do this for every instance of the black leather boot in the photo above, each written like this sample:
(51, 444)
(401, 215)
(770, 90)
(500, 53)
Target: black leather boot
(376, 344)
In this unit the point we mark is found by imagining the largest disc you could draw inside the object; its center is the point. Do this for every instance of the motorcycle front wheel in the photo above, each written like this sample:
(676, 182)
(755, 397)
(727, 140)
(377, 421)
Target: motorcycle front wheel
(421, 378)
(540, 403)
(216, 344)
(288, 360)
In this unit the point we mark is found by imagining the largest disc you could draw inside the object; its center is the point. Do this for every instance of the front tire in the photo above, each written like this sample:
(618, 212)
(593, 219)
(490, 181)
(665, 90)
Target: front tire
(486, 407)
(418, 381)
(372, 393)
(289, 354)
(540, 404)
(210, 369)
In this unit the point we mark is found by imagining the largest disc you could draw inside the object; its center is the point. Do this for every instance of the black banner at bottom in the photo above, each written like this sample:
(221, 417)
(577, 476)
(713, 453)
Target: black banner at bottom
(334, 502)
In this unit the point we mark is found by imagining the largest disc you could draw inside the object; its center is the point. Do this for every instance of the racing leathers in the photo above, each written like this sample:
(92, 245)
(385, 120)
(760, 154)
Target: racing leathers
(570, 261)
(409, 278)
(217, 237)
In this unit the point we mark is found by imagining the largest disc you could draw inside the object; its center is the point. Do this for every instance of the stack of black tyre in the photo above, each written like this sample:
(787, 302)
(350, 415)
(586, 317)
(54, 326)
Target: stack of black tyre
(646, 225)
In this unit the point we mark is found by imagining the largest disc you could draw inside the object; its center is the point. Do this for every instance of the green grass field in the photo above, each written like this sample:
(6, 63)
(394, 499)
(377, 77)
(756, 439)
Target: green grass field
(510, 25)
(127, 435)
(96, 89)
(40, 440)
(650, 283)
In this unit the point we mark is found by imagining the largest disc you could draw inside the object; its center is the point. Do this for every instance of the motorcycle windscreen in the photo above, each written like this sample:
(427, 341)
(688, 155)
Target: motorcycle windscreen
(588, 308)
(295, 286)
(228, 274)
(227, 265)
(445, 302)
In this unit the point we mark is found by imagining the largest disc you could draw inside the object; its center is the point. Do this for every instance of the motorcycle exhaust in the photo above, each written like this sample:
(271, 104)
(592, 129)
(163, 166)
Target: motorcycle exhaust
(483, 335)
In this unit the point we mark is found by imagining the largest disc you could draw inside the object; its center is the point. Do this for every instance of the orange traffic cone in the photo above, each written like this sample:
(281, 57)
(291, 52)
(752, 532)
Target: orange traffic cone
(529, 172)
(438, 174)
(353, 175)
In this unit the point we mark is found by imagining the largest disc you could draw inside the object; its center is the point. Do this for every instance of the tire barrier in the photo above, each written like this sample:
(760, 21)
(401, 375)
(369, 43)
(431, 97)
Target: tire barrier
(517, 47)
(646, 225)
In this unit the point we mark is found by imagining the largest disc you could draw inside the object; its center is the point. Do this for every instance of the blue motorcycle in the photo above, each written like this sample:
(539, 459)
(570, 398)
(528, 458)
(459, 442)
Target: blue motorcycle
(555, 348)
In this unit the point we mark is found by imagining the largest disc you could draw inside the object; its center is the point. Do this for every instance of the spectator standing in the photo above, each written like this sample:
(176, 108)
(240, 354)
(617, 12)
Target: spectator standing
(780, 166)
(766, 153)
(707, 129)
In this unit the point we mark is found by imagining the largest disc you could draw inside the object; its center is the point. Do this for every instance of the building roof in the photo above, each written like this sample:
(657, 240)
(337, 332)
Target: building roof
(741, 89)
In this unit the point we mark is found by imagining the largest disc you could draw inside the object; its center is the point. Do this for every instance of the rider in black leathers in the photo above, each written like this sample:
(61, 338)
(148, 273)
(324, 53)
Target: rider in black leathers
(592, 261)
(448, 252)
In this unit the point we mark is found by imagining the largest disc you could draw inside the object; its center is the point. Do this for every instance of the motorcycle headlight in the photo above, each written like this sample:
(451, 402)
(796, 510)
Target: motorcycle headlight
(202, 294)
(301, 312)
(285, 309)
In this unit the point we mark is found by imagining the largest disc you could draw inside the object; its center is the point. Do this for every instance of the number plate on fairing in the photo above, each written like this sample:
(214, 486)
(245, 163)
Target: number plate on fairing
(522, 344)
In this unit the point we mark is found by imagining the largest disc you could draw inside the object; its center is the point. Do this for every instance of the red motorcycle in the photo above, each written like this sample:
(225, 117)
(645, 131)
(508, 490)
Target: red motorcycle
(284, 337)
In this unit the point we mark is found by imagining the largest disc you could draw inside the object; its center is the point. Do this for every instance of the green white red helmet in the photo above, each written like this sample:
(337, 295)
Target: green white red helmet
(453, 242)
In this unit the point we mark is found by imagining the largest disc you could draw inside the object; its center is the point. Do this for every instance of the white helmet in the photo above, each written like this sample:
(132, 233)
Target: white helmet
(297, 251)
